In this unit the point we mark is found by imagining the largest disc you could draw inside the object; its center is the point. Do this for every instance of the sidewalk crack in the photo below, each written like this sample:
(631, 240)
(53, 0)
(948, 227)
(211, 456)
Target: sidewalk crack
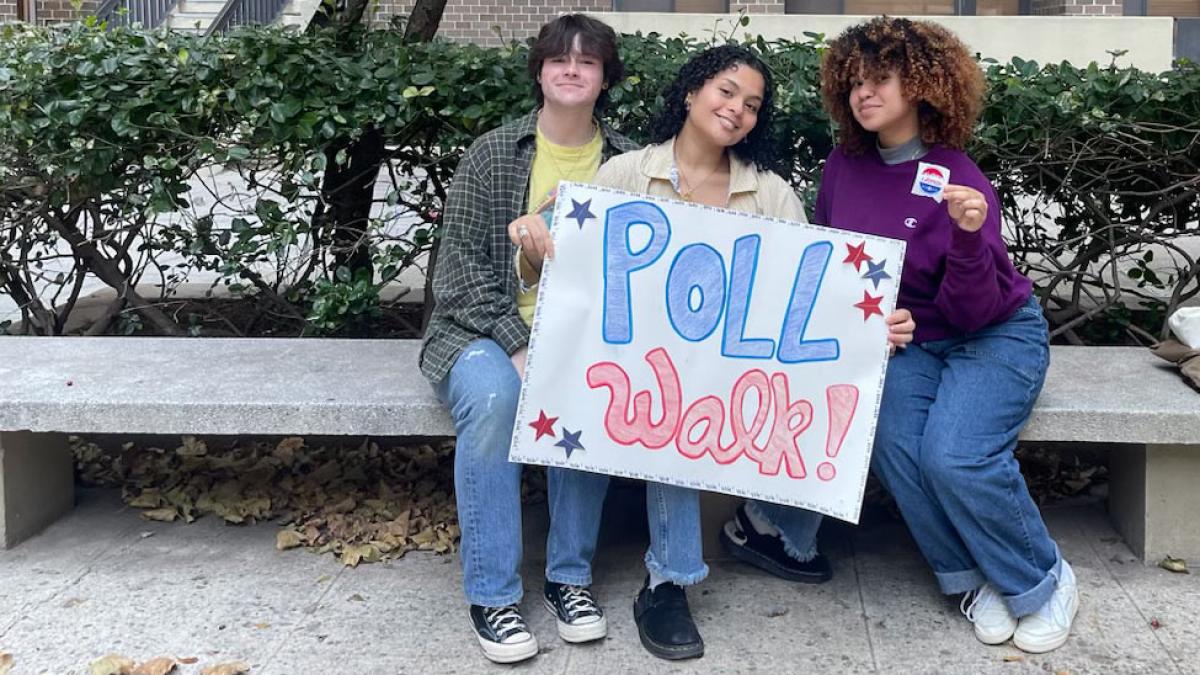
(862, 603)
(287, 638)
(1089, 537)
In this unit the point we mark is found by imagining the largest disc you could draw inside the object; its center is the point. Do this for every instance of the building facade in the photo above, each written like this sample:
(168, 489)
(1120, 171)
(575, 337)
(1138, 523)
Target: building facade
(496, 21)
(44, 11)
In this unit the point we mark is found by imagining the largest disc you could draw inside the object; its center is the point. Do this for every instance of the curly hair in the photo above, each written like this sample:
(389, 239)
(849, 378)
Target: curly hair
(756, 146)
(936, 70)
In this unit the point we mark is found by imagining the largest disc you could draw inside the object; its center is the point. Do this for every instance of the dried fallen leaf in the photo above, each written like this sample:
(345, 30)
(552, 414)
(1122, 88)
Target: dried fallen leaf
(113, 664)
(166, 514)
(189, 660)
(361, 503)
(1177, 565)
(1010, 658)
(285, 452)
(73, 602)
(192, 447)
(262, 626)
(148, 499)
(286, 539)
(231, 668)
(353, 555)
(323, 578)
(6, 663)
(160, 666)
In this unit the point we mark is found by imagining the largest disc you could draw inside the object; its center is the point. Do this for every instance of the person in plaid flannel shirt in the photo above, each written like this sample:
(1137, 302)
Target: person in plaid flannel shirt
(494, 239)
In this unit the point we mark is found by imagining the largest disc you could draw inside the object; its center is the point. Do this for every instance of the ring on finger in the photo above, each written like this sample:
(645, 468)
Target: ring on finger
(522, 231)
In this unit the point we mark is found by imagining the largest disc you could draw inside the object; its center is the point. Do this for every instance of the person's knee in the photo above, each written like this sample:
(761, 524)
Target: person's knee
(490, 388)
(945, 468)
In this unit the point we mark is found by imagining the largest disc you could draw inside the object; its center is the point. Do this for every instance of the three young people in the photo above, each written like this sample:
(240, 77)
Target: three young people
(905, 94)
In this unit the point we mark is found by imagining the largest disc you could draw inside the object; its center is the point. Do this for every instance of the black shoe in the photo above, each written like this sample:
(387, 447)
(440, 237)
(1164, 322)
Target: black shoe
(665, 623)
(578, 616)
(503, 634)
(766, 552)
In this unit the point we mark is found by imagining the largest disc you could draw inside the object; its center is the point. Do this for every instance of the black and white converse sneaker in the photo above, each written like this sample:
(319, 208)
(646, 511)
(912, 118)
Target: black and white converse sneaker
(503, 633)
(578, 616)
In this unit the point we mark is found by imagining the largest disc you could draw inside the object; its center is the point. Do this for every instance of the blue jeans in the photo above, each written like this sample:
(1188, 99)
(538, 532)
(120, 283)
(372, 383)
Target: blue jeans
(948, 424)
(482, 391)
(675, 551)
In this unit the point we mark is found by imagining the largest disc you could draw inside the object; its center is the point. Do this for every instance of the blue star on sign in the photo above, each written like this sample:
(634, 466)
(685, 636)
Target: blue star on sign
(570, 441)
(581, 212)
(875, 272)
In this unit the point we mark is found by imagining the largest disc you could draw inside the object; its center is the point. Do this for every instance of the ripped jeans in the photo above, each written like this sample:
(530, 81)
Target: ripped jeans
(482, 391)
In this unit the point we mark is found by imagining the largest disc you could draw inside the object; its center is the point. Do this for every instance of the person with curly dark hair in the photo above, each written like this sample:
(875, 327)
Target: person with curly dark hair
(905, 96)
(710, 145)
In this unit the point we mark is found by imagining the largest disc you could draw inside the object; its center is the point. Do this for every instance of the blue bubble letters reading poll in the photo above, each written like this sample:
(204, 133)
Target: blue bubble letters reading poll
(701, 290)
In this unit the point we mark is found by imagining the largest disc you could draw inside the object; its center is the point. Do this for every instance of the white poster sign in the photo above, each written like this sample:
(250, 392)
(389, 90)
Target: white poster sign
(708, 348)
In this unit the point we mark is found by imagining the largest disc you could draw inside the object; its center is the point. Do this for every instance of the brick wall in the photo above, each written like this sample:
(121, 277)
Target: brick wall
(58, 11)
(1079, 7)
(756, 6)
(473, 20)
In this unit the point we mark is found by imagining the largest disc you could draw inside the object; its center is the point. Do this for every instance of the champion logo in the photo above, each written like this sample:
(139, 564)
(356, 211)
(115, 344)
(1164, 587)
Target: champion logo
(931, 181)
(910, 223)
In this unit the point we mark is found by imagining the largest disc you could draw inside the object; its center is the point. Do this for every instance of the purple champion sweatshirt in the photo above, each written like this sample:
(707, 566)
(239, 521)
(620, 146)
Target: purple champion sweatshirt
(954, 282)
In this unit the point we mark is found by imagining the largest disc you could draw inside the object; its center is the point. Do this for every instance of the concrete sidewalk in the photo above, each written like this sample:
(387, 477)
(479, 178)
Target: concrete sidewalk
(103, 581)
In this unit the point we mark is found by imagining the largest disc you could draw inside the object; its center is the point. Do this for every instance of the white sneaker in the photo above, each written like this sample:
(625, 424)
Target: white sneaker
(994, 624)
(1047, 628)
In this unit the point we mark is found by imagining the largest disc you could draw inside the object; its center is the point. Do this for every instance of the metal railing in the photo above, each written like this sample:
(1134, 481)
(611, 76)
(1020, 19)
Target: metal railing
(148, 13)
(246, 13)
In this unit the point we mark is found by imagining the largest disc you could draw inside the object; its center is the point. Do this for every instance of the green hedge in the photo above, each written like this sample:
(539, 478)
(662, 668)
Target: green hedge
(101, 132)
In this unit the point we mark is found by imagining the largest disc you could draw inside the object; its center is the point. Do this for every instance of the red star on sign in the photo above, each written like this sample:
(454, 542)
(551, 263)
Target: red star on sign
(857, 255)
(869, 305)
(544, 425)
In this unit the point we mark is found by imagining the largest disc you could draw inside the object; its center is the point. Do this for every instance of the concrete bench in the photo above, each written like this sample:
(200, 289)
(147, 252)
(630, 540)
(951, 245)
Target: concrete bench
(1123, 397)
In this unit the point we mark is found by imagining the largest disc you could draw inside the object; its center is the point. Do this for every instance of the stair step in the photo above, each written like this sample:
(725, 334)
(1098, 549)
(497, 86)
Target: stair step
(190, 20)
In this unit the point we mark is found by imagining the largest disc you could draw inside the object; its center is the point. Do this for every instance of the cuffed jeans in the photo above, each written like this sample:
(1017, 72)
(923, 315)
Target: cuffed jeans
(948, 424)
(481, 391)
(675, 551)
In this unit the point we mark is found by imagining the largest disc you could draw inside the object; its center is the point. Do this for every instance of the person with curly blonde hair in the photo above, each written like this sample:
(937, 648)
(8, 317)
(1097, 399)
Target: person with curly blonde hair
(905, 96)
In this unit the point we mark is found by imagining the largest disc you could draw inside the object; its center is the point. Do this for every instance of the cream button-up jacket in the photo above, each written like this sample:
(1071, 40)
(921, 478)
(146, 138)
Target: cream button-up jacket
(649, 171)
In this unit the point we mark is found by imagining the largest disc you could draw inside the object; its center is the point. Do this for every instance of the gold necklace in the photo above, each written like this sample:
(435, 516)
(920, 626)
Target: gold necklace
(558, 170)
(686, 195)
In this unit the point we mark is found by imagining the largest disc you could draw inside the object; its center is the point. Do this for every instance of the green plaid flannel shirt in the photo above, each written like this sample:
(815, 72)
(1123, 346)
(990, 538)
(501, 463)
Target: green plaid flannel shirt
(474, 283)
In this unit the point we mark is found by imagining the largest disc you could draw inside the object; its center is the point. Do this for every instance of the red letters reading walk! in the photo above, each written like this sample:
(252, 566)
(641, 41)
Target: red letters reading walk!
(697, 431)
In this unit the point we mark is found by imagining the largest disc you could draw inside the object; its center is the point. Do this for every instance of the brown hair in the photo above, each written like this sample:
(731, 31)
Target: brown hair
(596, 38)
(935, 68)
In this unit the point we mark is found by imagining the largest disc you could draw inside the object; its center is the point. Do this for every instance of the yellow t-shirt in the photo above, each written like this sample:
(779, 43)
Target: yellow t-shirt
(552, 163)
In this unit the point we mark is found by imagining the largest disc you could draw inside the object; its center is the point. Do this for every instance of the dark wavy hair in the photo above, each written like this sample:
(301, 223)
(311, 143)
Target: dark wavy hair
(936, 70)
(756, 146)
(596, 38)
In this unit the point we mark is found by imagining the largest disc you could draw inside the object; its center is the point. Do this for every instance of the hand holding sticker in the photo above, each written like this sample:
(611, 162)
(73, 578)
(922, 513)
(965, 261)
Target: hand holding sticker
(967, 207)
(930, 181)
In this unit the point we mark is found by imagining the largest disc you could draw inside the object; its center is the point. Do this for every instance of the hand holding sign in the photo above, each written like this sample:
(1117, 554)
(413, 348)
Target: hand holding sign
(967, 206)
(531, 233)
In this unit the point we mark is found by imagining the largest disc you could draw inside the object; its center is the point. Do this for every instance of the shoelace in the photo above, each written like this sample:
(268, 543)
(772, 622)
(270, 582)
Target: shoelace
(505, 621)
(578, 601)
(978, 601)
